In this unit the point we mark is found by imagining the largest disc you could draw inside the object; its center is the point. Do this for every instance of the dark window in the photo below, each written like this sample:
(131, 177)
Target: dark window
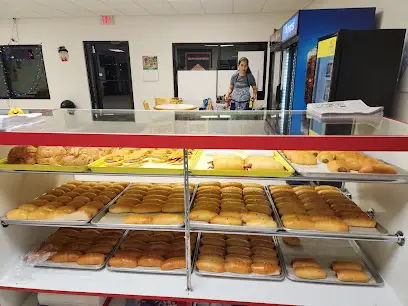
(22, 72)
(215, 56)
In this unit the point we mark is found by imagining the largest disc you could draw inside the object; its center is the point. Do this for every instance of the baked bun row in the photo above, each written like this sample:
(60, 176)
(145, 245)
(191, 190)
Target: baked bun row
(83, 198)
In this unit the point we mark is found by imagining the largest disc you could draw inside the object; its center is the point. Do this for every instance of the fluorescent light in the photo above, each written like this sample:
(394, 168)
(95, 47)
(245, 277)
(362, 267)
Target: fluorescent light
(223, 46)
(211, 45)
(116, 50)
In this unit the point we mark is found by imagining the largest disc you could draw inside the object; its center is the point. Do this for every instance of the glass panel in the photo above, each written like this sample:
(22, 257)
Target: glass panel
(3, 84)
(197, 57)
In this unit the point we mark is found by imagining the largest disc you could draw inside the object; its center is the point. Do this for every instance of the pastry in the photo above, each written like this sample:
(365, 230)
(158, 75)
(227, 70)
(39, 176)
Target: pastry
(174, 263)
(360, 221)
(305, 262)
(168, 219)
(210, 265)
(310, 273)
(325, 157)
(236, 266)
(262, 223)
(352, 276)
(68, 256)
(124, 261)
(265, 260)
(379, 168)
(303, 158)
(226, 220)
(263, 163)
(346, 265)
(150, 261)
(228, 163)
(331, 225)
(18, 214)
(265, 268)
(239, 250)
(338, 166)
(91, 259)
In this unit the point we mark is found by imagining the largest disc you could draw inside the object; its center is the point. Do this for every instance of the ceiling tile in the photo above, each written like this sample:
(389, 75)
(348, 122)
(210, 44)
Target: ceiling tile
(218, 6)
(248, 6)
(67, 7)
(128, 7)
(97, 7)
(272, 6)
(186, 7)
(157, 7)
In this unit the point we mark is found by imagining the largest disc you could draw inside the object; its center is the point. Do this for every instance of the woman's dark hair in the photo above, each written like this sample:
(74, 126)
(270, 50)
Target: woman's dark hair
(246, 60)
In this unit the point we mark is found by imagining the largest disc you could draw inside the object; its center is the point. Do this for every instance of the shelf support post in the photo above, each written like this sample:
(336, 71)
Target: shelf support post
(187, 219)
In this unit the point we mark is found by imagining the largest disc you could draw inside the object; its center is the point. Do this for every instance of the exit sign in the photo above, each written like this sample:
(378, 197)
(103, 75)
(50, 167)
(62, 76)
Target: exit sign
(107, 20)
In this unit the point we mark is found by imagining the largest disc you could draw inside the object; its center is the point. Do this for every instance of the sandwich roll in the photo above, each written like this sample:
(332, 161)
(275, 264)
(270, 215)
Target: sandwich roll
(239, 250)
(212, 250)
(210, 265)
(173, 263)
(231, 184)
(150, 261)
(123, 261)
(214, 209)
(202, 184)
(240, 267)
(134, 244)
(360, 221)
(265, 269)
(68, 256)
(305, 262)
(236, 257)
(100, 248)
(168, 219)
(346, 265)
(216, 258)
(262, 243)
(127, 200)
(259, 209)
(252, 185)
(17, 214)
(228, 163)
(173, 208)
(146, 208)
(260, 259)
(331, 226)
(262, 223)
(161, 237)
(138, 219)
(248, 216)
(352, 276)
(238, 242)
(258, 250)
(232, 212)
(202, 215)
(310, 273)
(226, 220)
(91, 259)
(213, 241)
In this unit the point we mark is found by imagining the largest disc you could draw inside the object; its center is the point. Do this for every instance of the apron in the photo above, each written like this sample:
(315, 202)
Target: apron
(240, 98)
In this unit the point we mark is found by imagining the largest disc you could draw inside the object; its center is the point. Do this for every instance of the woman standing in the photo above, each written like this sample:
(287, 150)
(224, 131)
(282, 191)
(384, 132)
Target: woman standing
(239, 92)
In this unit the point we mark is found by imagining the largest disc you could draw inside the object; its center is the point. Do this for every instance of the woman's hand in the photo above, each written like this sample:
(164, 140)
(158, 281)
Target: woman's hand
(254, 97)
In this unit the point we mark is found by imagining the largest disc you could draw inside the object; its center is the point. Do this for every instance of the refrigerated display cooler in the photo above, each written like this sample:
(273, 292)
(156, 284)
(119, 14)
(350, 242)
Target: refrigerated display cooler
(293, 57)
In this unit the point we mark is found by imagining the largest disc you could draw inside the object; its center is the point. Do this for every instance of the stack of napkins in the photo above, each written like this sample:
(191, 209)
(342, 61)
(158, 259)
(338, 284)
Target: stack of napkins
(8, 123)
(343, 109)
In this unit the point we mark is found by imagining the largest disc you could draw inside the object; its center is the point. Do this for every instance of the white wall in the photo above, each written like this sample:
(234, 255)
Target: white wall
(390, 14)
(146, 35)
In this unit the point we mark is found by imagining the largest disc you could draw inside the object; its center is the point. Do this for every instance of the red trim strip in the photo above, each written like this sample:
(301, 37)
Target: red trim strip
(352, 143)
(137, 297)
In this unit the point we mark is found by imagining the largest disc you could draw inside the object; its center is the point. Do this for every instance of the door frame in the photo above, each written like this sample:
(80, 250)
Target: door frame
(92, 69)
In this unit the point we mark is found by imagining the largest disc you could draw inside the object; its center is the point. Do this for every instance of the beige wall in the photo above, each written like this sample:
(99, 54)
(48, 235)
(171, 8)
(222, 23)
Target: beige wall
(390, 14)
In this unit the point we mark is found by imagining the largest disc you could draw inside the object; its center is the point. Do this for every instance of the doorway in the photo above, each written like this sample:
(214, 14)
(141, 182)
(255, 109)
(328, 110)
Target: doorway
(109, 74)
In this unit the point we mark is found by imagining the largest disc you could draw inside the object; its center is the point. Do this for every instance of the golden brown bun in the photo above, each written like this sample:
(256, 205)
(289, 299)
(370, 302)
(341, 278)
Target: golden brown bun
(155, 196)
(124, 261)
(263, 163)
(228, 163)
(38, 214)
(139, 236)
(173, 208)
(209, 184)
(174, 263)
(91, 259)
(210, 265)
(134, 244)
(236, 257)
(360, 221)
(238, 242)
(265, 260)
(18, 214)
(129, 252)
(352, 276)
(331, 226)
(96, 204)
(212, 258)
(305, 262)
(265, 268)
(146, 208)
(236, 266)
(168, 219)
(212, 250)
(100, 248)
(202, 215)
(128, 201)
(68, 256)
(310, 273)
(239, 250)
(89, 209)
(107, 240)
(226, 220)
(263, 251)
(213, 241)
(347, 265)
(262, 223)
(138, 219)
(150, 261)
(211, 208)
(292, 241)
(262, 209)
(262, 243)
(246, 217)
(297, 223)
(102, 198)
(233, 184)
(253, 185)
(161, 236)
(302, 158)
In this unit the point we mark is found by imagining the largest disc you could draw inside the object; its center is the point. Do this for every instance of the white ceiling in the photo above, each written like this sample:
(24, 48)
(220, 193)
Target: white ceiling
(83, 8)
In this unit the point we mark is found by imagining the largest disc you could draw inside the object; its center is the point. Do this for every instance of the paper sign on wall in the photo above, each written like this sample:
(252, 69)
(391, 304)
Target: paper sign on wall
(150, 68)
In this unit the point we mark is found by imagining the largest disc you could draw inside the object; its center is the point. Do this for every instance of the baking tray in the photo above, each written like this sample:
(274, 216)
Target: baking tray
(278, 277)
(353, 233)
(201, 166)
(154, 270)
(46, 168)
(145, 168)
(75, 266)
(202, 225)
(5, 220)
(325, 252)
(104, 219)
(322, 172)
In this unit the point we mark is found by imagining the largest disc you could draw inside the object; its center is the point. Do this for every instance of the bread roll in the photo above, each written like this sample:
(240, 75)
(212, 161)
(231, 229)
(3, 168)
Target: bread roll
(216, 258)
(38, 215)
(338, 166)
(360, 221)
(212, 250)
(139, 236)
(68, 256)
(259, 209)
(231, 184)
(236, 266)
(226, 221)
(211, 208)
(63, 199)
(96, 204)
(17, 214)
(352, 276)
(331, 226)
(173, 263)
(129, 252)
(264, 251)
(134, 244)
(248, 216)
(65, 209)
(161, 236)
(213, 241)
(150, 261)
(138, 219)
(90, 209)
(262, 223)
(210, 265)
(236, 257)
(146, 208)
(104, 248)
(91, 259)
(265, 269)
(168, 219)
(346, 265)
(239, 250)
(298, 223)
(128, 201)
(173, 208)
(305, 262)
(260, 259)
(292, 241)
(253, 185)
(155, 196)
(261, 243)
(238, 242)
(124, 261)
(102, 198)
(310, 273)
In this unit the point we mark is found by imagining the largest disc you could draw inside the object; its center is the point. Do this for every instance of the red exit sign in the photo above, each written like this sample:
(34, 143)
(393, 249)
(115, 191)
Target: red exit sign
(107, 20)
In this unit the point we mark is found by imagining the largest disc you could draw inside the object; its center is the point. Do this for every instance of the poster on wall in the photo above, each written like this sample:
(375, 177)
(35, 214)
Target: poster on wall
(150, 68)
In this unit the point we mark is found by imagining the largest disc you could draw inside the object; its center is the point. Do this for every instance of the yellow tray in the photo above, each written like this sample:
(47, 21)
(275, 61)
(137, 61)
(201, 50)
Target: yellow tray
(23, 167)
(145, 168)
(199, 169)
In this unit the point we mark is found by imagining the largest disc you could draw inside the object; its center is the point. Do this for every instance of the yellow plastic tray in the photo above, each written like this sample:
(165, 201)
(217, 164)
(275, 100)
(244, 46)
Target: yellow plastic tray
(22, 167)
(200, 169)
(145, 168)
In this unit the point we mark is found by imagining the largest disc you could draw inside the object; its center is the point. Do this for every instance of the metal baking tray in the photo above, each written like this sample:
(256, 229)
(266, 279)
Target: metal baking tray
(325, 252)
(278, 277)
(154, 270)
(202, 225)
(104, 219)
(320, 170)
(353, 233)
(4, 220)
(75, 266)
